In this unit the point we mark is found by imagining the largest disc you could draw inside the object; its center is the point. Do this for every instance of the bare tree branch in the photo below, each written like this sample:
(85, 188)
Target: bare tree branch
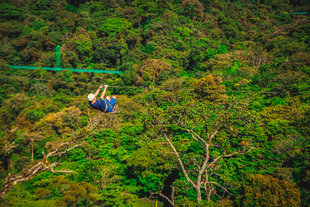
(67, 150)
(171, 201)
(180, 161)
(189, 131)
(42, 165)
(215, 183)
(60, 171)
(201, 139)
(213, 135)
(8, 148)
(229, 155)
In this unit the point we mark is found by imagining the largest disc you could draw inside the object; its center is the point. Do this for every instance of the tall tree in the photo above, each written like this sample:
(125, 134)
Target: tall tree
(203, 134)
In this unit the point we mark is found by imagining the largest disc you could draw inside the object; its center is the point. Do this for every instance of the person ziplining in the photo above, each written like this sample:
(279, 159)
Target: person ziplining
(105, 105)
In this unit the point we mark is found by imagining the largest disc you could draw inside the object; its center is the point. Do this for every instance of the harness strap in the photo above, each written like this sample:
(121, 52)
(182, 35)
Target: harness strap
(106, 106)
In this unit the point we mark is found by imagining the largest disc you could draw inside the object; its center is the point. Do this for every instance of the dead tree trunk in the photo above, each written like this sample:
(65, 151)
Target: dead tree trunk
(42, 165)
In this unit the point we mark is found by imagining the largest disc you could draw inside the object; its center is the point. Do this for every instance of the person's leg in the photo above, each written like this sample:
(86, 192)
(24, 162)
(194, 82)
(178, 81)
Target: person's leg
(108, 98)
(113, 101)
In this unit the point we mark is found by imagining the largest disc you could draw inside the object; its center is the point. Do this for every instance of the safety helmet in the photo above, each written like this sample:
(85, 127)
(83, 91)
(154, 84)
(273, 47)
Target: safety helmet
(91, 97)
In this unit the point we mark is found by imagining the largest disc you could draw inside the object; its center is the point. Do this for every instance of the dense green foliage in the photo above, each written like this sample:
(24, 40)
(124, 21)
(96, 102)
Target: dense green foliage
(240, 68)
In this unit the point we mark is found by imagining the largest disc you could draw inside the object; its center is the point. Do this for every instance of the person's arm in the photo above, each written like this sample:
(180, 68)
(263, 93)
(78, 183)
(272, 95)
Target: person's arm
(103, 92)
(96, 94)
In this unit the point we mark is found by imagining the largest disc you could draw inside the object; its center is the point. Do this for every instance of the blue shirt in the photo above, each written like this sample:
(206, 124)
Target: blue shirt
(100, 105)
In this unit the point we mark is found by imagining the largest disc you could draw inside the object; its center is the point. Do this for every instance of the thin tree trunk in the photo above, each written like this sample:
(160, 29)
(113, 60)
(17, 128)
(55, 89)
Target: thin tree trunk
(198, 191)
(171, 201)
(180, 162)
(196, 185)
(200, 172)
